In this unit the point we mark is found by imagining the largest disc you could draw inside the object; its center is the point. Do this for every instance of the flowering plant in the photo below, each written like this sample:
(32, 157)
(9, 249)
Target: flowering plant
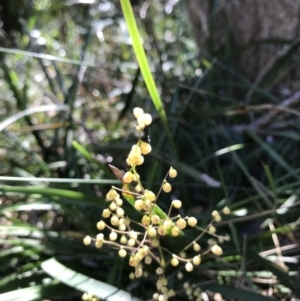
(143, 247)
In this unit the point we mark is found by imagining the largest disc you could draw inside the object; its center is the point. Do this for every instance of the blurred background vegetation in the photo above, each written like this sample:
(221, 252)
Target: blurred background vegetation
(228, 75)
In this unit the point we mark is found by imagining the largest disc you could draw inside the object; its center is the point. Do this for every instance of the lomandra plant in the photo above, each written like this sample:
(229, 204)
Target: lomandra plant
(143, 247)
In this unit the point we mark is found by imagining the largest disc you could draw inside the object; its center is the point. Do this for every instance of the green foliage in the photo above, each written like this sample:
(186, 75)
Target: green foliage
(69, 79)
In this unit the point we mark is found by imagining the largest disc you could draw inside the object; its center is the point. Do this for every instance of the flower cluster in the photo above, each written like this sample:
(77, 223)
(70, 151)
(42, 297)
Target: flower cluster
(142, 246)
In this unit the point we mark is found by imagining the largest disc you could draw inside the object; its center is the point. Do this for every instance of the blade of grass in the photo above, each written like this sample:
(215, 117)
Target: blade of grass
(84, 283)
(144, 66)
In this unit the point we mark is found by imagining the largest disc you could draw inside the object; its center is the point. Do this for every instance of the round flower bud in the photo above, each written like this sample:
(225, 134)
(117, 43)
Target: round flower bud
(167, 187)
(177, 204)
(138, 112)
(212, 230)
(145, 119)
(106, 213)
(218, 297)
(151, 231)
(214, 213)
(113, 236)
(98, 244)
(146, 220)
(131, 242)
(171, 293)
(114, 220)
(120, 212)
(133, 235)
(226, 210)
(155, 296)
(122, 227)
(217, 250)
(145, 148)
(182, 254)
(87, 240)
(162, 231)
(128, 177)
(181, 223)
(161, 298)
(155, 219)
(147, 205)
(159, 271)
(174, 262)
(218, 218)
(123, 240)
(101, 225)
(138, 273)
(196, 247)
(197, 260)
(111, 195)
(138, 188)
(172, 172)
(139, 160)
(167, 224)
(175, 231)
(113, 206)
(122, 253)
(138, 205)
(143, 251)
(119, 202)
(100, 237)
(149, 195)
(148, 259)
(192, 221)
(131, 276)
(189, 267)
(179, 275)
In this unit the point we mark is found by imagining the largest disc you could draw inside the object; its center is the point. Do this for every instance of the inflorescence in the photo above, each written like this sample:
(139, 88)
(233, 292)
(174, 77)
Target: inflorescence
(143, 247)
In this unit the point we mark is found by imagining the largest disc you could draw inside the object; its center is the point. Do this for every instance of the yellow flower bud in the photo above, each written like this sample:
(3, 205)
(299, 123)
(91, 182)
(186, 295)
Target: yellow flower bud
(123, 240)
(128, 177)
(197, 260)
(217, 250)
(148, 259)
(172, 172)
(226, 210)
(177, 204)
(113, 206)
(113, 236)
(145, 148)
(145, 119)
(122, 253)
(161, 231)
(149, 195)
(189, 267)
(175, 231)
(212, 230)
(101, 225)
(174, 262)
(138, 112)
(120, 212)
(114, 220)
(155, 219)
(138, 273)
(196, 247)
(111, 195)
(151, 231)
(133, 235)
(192, 221)
(87, 240)
(167, 187)
(106, 213)
(146, 220)
(181, 223)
